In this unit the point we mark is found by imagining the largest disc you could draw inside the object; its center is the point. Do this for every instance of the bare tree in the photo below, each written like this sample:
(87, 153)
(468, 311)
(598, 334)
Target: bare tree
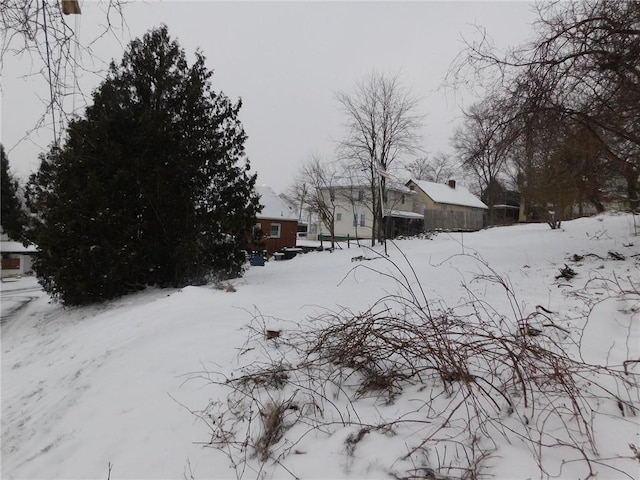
(438, 169)
(314, 189)
(42, 30)
(583, 65)
(483, 142)
(382, 125)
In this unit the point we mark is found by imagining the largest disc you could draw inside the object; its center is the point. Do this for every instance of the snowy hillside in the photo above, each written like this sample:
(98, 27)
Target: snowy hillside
(148, 385)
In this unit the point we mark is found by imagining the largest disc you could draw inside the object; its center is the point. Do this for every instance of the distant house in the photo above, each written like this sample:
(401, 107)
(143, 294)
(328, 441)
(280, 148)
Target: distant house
(449, 206)
(504, 205)
(352, 208)
(16, 258)
(277, 225)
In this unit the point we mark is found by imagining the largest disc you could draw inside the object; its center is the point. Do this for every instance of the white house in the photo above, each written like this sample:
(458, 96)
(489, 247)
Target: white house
(352, 208)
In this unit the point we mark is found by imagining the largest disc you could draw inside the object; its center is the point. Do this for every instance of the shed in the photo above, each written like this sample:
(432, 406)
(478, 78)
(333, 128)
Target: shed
(504, 205)
(277, 226)
(16, 258)
(449, 206)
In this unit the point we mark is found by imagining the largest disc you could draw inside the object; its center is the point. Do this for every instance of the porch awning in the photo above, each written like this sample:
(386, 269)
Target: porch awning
(403, 214)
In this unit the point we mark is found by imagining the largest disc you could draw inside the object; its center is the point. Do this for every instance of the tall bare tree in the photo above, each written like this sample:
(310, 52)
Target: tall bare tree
(382, 125)
(483, 142)
(584, 66)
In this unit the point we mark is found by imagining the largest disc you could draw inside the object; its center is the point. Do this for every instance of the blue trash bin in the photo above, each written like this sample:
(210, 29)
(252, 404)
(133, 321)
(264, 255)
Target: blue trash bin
(257, 261)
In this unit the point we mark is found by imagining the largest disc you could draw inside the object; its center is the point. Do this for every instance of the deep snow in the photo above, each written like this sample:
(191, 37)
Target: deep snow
(109, 390)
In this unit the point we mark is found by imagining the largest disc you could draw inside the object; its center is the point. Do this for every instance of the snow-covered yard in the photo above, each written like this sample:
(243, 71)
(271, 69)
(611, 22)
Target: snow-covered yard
(130, 388)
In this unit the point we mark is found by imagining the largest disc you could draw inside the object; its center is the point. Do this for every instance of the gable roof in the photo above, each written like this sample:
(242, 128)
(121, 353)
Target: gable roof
(275, 208)
(443, 193)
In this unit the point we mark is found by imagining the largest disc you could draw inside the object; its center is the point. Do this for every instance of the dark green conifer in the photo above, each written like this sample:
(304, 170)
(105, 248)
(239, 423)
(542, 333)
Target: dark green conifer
(151, 186)
(12, 218)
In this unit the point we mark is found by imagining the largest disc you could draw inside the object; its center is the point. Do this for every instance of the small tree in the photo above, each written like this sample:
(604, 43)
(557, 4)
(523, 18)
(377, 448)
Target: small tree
(314, 188)
(13, 217)
(152, 185)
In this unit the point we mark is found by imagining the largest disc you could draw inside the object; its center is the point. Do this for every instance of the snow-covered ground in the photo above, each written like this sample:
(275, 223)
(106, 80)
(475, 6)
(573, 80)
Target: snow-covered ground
(118, 390)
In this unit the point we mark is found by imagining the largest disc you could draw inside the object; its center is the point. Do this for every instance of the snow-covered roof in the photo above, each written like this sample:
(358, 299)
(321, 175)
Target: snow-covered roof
(16, 247)
(443, 193)
(275, 208)
(355, 183)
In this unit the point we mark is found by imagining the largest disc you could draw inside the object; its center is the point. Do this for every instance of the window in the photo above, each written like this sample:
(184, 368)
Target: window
(355, 219)
(360, 195)
(404, 198)
(332, 194)
(10, 263)
(275, 230)
(358, 219)
(338, 217)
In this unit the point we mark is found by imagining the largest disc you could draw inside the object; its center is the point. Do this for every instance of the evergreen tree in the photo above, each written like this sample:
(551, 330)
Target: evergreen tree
(13, 218)
(152, 185)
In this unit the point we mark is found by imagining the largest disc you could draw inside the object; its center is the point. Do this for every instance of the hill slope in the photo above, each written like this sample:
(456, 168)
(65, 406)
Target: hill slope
(131, 388)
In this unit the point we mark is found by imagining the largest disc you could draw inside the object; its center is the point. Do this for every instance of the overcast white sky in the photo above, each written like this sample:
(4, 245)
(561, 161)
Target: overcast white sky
(286, 61)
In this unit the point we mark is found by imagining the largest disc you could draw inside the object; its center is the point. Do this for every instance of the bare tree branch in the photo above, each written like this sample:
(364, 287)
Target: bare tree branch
(42, 32)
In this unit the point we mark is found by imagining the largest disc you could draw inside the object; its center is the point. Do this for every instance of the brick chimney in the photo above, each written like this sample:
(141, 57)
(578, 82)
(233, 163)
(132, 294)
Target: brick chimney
(452, 183)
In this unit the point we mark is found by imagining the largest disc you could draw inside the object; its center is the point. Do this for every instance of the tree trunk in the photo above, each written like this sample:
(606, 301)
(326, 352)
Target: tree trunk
(374, 222)
(596, 203)
(632, 190)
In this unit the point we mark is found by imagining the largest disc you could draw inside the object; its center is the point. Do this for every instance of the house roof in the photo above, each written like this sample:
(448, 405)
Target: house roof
(7, 246)
(347, 182)
(275, 208)
(443, 193)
